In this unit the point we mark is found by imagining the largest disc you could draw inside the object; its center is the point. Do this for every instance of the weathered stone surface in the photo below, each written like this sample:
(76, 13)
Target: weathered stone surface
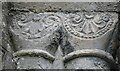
(67, 6)
(71, 35)
(1, 66)
(119, 57)
(61, 1)
(1, 37)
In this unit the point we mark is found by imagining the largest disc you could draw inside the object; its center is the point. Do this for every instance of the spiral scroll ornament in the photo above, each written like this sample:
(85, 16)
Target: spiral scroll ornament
(88, 26)
(33, 26)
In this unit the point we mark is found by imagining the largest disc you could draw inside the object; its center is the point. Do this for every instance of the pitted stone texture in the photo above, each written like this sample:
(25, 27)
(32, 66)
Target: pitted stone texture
(82, 31)
(35, 35)
(87, 63)
(61, 1)
(80, 26)
(119, 58)
(1, 65)
(45, 31)
(67, 6)
(45, 26)
(33, 63)
(91, 25)
(36, 31)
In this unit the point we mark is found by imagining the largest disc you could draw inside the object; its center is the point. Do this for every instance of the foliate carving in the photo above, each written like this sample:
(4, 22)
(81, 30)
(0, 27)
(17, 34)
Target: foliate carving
(34, 26)
(83, 25)
(51, 20)
(89, 26)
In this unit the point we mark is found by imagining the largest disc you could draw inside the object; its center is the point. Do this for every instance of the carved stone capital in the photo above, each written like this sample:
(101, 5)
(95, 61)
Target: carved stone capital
(81, 32)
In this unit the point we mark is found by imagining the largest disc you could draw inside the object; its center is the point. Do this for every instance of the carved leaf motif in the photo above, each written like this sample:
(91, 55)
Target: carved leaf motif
(76, 19)
(101, 22)
(26, 17)
(88, 25)
(31, 25)
(51, 19)
(87, 29)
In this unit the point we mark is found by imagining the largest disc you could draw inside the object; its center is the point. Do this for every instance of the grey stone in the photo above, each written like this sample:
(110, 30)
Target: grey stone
(1, 66)
(43, 35)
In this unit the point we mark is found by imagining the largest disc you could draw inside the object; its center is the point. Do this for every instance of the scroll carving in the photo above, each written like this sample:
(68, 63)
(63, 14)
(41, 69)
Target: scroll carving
(83, 25)
(89, 25)
(34, 26)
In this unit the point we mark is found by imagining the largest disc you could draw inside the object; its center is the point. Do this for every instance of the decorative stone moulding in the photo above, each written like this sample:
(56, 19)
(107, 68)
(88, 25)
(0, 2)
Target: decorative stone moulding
(75, 35)
(81, 24)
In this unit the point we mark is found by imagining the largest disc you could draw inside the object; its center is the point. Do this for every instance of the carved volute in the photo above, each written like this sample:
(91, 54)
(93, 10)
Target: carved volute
(63, 35)
(35, 35)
